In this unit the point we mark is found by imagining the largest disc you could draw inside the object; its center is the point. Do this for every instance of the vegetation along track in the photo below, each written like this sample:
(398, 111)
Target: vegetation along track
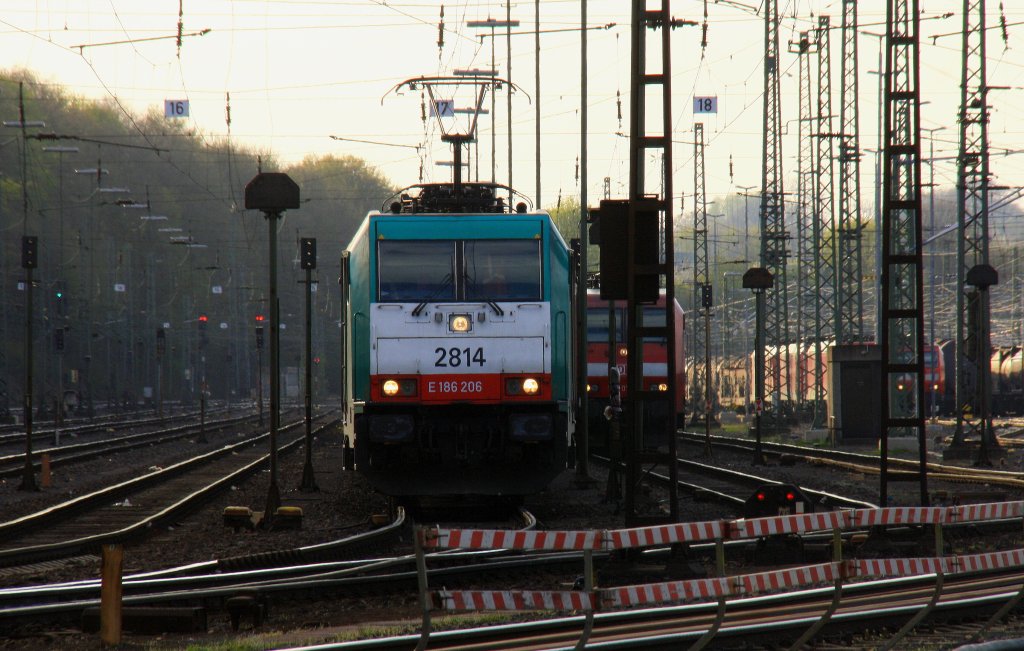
(123, 511)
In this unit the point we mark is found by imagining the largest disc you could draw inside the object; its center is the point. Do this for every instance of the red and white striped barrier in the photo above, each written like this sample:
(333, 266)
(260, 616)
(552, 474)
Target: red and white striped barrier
(787, 579)
(508, 539)
(991, 511)
(513, 600)
(900, 515)
(716, 588)
(990, 560)
(683, 532)
(756, 527)
(664, 534)
(669, 592)
(901, 566)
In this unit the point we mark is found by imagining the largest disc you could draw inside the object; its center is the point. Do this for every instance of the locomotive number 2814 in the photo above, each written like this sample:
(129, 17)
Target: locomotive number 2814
(459, 357)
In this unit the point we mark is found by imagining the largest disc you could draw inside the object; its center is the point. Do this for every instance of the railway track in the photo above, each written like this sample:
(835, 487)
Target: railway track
(731, 488)
(938, 474)
(14, 435)
(289, 574)
(353, 579)
(12, 465)
(882, 608)
(128, 509)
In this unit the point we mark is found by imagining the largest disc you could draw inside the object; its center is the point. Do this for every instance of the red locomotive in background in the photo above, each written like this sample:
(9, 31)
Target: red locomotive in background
(655, 353)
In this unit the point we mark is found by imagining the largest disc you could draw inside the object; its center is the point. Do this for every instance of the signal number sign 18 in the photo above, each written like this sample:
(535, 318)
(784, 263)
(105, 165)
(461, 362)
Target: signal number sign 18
(705, 104)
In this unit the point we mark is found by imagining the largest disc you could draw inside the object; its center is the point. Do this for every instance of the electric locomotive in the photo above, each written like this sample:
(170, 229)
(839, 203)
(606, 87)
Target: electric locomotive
(458, 344)
(655, 352)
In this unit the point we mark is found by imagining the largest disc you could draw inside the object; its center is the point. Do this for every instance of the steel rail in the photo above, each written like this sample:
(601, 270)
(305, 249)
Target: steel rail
(86, 450)
(766, 620)
(866, 462)
(97, 425)
(104, 496)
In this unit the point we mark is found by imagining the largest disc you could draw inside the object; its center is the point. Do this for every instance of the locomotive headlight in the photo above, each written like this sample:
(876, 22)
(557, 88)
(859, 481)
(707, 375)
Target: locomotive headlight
(459, 323)
(935, 387)
(623, 352)
(521, 386)
(402, 388)
(590, 387)
(662, 387)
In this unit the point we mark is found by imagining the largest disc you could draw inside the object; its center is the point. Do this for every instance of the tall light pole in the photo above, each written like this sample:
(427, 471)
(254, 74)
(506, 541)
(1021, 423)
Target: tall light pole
(61, 299)
(536, 94)
(746, 216)
(493, 24)
(87, 295)
(931, 256)
(60, 151)
(583, 417)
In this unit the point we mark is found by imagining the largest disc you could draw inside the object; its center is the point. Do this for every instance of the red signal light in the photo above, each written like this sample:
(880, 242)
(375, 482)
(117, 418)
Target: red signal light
(203, 318)
(761, 496)
(790, 496)
(259, 317)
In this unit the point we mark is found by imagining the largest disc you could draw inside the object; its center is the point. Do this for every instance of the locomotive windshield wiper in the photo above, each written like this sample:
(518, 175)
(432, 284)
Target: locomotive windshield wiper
(445, 284)
(471, 286)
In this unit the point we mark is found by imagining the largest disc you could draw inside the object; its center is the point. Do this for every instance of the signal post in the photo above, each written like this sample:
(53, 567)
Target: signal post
(272, 193)
(307, 261)
(29, 261)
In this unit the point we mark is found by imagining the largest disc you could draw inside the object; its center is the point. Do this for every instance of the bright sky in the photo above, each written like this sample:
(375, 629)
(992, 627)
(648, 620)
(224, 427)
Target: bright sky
(299, 72)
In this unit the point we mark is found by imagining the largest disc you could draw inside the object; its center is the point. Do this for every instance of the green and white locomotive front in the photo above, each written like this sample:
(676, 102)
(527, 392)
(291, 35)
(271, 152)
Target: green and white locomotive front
(461, 348)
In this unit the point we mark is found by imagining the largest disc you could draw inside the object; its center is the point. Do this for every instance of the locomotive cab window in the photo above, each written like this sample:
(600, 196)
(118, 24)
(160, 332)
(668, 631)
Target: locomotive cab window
(502, 270)
(467, 270)
(597, 325)
(653, 317)
(415, 270)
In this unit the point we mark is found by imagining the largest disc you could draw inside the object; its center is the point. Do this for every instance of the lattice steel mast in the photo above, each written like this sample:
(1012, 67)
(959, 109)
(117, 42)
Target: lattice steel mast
(850, 298)
(643, 457)
(700, 382)
(902, 316)
(806, 269)
(826, 314)
(973, 346)
(773, 227)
